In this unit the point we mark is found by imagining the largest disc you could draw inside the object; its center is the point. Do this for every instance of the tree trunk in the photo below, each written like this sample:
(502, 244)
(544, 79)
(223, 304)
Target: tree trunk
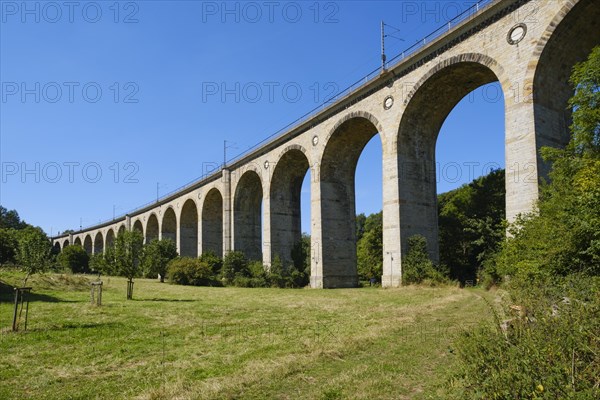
(130, 289)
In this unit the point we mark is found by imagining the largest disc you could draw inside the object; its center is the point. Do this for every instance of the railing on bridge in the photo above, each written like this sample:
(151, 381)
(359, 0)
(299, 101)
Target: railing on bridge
(365, 80)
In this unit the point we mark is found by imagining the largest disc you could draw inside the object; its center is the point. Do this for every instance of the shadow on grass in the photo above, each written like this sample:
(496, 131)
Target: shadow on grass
(7, 294)
(168, 300)
(75, 325)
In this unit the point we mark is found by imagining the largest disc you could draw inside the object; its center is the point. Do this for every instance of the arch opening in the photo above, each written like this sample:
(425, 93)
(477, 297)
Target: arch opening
(212, 222)
(247, 216)
(87, 244)
(110, 238)
(169, 225)
(568, 40)
(189, 229)
(98, 243)
(77, 242)
(338, 202)
(151, 228)
(419, 129)
(285, 204)
(65, 243)
(138, 226)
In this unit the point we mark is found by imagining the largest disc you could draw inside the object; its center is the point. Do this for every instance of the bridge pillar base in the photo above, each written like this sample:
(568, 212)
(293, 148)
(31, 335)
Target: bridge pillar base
(391, 281)
(334, 282)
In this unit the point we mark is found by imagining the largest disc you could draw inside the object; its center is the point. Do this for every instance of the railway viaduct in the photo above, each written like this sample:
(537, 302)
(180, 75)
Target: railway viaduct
(253, 203)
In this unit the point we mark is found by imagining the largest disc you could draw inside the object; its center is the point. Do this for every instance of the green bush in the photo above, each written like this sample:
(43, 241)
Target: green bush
(213, 260)
(191, 271)
(75, 259)
(545, 346)
(98, 263)
(545, 343)
(235, 264)
(416, 265)
(237, 271)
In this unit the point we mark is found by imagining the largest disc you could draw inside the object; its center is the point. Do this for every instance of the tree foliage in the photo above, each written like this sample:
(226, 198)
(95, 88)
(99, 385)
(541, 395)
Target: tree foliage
(34, 251)
(10, 219)
(550, 348)
(191, 271)
(235, 264)
(586, 107)
(11, 227)
(157, 255)
(9, 245)
(301, 254)
(75, 259)
(563, 235)
(211, 259)
(417, 266)
(369, 248)
(128, 253)
(471, 224)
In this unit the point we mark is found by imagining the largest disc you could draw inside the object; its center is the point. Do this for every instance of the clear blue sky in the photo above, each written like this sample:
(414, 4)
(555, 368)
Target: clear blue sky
(156, 63)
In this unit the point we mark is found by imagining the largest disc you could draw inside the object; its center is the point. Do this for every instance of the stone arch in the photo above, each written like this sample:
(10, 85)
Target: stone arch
(354, 115)
(121, 229)
(188, 229)
(87, 244)
(65, 243)
(77, 242)
(138, 226)
(434, 97)
(110, 238)
(56, 247)
(169, 225)
(567, 40)
(212, 222)
(477, 58)
(98, 243)
(343, 148)
(152, 228)
(247, 217)
(285, 191)
(290, 148)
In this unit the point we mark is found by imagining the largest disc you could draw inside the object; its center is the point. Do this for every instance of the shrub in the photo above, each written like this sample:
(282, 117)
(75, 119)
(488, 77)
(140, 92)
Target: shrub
(235, 264)
(97, 264)
(277, 275)
(190, 271)
(544, 344)
(416, 265)
(213, 260)
(75, 259)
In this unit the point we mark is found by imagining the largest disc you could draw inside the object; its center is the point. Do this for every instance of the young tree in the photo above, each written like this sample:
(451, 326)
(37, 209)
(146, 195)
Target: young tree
(157, 255)
(128, 254)
(34, 251)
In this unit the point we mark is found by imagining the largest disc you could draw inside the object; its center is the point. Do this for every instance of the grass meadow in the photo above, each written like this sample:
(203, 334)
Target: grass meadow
(181, 342)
